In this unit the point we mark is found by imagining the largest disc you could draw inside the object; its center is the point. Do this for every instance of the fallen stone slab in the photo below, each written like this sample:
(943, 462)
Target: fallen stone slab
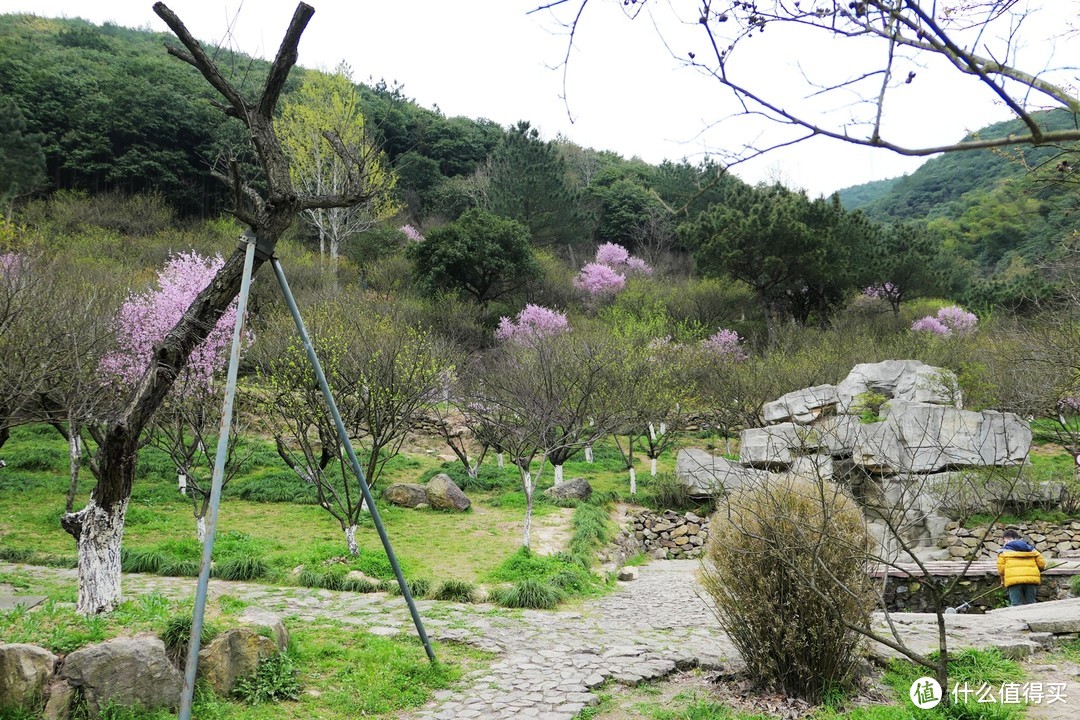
(10, 602)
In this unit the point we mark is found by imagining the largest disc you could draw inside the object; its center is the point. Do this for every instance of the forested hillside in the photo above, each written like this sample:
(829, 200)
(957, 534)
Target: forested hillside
(106, 111)
(1005, 212)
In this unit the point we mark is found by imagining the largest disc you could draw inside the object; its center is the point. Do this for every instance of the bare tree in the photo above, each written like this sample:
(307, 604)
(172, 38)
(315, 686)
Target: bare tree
(894, 45)
(268, 205)
(384, 374)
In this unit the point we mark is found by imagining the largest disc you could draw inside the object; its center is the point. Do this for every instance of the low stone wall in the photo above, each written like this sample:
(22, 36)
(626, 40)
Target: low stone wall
(1052, 540)
(909, 594)
(667, 535)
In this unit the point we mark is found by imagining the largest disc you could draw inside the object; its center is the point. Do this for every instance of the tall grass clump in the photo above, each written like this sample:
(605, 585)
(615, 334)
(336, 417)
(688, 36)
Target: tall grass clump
(785, 564)
(530, 593)
(591, 531)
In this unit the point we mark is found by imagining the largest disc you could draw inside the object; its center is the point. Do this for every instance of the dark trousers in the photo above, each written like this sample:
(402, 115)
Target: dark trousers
(1022, 594)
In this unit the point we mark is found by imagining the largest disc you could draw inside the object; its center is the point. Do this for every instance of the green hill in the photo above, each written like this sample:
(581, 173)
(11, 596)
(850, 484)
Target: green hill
(994, 207)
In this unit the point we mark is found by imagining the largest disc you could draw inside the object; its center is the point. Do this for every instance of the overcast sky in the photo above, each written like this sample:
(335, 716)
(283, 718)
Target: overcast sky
(625, 90)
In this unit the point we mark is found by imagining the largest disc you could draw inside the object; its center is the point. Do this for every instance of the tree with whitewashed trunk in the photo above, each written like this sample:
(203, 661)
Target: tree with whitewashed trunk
(268, 206)
(384, 374)
(539, 398)
(654, 390)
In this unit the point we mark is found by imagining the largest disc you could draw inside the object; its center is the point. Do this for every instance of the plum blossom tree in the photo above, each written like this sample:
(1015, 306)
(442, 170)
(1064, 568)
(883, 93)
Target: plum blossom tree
(147, 317)
(726, 344)
(598, 280)
(949, 321)
(534, 324)
(185, 425)
(606, 276)
(268, 206)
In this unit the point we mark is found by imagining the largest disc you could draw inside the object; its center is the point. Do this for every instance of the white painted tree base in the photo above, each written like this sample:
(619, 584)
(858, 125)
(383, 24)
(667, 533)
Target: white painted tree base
(350, 540)
(99, 557)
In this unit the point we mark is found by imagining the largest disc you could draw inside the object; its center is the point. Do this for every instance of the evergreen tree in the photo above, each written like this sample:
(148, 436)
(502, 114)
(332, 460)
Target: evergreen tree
(529, 184)
(22, 161)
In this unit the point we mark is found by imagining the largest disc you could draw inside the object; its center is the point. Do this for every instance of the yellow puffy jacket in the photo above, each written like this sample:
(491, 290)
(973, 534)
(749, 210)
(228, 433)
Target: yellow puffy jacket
(1020, 567)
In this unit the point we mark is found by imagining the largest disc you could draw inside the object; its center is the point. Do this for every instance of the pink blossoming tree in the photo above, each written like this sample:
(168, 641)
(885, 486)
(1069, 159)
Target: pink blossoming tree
(533, 324)
(185, 427)
(949, 321)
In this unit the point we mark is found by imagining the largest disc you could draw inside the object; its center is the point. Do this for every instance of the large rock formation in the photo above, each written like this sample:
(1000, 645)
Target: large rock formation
(127, 671)
(894, 434)
(575, 489)
(706, 475)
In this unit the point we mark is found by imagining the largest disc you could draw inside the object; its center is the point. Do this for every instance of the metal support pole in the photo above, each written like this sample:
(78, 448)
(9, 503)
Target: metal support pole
(343, 435)
(188, 694)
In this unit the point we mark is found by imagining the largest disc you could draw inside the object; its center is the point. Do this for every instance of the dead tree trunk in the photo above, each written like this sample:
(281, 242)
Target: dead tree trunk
(99, 527)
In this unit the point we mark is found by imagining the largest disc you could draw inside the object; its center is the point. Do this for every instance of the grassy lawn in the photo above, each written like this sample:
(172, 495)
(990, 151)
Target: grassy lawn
(267, 512)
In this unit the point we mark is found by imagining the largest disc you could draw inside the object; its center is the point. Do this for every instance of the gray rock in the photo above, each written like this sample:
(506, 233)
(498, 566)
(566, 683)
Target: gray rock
(628, 573)
(444, 494)
(24, 672)
(910, 380)
(707, 475)
(259, 618)
(775, 447)
(575, 489)
(60, 697)
(802, 406)
(127, 671)
(408, 495)
(232, 655)
(926, 438)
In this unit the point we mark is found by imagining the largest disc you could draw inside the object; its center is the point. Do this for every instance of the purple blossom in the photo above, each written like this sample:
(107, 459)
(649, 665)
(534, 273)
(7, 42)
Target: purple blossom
(1070, 404)
(596, 279)
(145, 319)
(884, 291)
(637, 266)
(534, 323)
(411, 233)
(727, 344)
(957, 319)
(612, 255)
(931, 325)
(948, 321)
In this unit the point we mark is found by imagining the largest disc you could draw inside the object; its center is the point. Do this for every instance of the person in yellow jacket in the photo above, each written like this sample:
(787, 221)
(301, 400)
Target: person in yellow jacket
(1019, 565)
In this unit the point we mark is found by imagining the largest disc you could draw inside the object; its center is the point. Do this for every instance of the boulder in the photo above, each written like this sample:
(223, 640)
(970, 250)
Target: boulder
(127, 671)
(408, 495)
(706, 475)
(918, 437)
(258, 618)
(575, 489)
(444, 494)
(802, 406)
(24, 672)
(628, 573)
(909, 380)
(232, 655)
(60, 697)
(775, 447)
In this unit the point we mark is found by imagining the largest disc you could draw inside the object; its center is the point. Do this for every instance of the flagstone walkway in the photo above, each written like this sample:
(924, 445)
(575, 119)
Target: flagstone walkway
(549, 662)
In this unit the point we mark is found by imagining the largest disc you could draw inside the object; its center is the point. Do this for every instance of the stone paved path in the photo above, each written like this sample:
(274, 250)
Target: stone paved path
(548, 662)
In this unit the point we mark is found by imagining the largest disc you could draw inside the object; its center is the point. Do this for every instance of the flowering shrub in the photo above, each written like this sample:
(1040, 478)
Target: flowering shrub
(637, 266)
(145, 319)
(931, 325)
(885, 291)
(411, 233)
(948, 321)
(727, 344)
(603, 277)
(612, 255)
(534, 323)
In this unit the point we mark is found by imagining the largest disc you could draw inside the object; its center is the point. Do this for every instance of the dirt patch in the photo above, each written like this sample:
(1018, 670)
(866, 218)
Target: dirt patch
(551, 533)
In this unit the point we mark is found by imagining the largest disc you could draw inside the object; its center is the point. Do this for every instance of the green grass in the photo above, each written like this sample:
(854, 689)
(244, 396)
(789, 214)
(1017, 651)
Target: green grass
(530, 593)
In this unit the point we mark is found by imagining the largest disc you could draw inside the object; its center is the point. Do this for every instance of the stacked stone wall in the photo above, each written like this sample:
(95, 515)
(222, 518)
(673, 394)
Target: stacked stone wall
(1052, 540)
(666, 536)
